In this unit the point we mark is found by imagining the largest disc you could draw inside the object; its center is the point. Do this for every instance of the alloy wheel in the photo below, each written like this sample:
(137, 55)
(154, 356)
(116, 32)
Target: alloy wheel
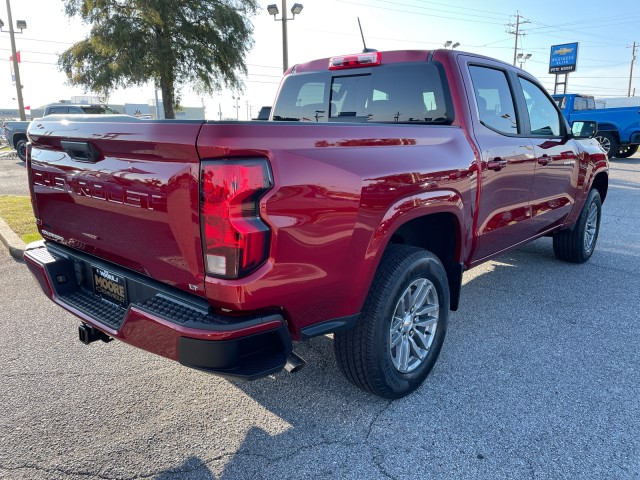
(413, 325)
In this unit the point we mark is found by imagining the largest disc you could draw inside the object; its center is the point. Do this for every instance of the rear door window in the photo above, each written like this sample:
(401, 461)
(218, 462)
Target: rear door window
(495, 103)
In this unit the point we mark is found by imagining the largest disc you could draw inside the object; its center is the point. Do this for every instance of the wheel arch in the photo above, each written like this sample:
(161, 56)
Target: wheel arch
(609, 128)
(446, 244)
(601, 183)
(16, 137)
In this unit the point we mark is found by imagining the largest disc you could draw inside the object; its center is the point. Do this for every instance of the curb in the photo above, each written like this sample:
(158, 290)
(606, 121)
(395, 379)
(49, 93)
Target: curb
(9, 155)
(12, 241)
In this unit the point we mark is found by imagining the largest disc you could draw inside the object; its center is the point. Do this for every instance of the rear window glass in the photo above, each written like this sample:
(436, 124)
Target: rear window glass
(399, 93)
(94, 110)
(58, 110)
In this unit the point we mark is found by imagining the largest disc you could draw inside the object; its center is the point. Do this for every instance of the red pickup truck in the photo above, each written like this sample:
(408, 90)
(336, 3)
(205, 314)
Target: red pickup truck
(379, 179)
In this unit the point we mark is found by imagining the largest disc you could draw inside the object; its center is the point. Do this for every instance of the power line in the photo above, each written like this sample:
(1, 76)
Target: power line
(431, 9)
(46, 41)
(463, 8)
(31, 51)
(30, 61)
(261, 81)
(264, 75)
(263, 66)
(600, 22)
(417, 13)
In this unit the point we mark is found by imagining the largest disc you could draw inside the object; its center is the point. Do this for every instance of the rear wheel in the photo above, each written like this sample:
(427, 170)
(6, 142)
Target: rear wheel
(21, 148)
(627, 151)
(608, 143)
(402, 326)
(577, 245)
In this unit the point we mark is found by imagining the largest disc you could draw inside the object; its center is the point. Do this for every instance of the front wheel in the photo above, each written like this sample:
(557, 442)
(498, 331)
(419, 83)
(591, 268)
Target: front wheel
(402, 326)
(608, 143)
(577, 245)
(21, 148)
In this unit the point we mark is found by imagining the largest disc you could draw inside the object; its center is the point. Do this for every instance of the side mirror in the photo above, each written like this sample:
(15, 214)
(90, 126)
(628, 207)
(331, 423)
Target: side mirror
(584, 129)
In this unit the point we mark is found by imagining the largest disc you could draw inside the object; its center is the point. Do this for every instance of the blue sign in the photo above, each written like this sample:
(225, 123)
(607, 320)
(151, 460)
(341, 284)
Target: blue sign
(563, 58)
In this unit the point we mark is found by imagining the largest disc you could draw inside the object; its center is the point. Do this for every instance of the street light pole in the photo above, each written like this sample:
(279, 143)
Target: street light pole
(16, 68)
(295, 10)
(285, 41)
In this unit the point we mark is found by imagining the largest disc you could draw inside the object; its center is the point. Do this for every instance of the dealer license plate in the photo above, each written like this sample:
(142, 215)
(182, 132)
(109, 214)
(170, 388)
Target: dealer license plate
(110, 286)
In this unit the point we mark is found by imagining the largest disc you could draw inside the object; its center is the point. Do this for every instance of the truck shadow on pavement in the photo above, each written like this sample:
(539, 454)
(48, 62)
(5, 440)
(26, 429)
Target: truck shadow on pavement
(514, 358)
(194, 467)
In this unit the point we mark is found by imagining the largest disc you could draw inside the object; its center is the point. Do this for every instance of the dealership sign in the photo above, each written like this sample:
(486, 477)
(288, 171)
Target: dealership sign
(563, 58)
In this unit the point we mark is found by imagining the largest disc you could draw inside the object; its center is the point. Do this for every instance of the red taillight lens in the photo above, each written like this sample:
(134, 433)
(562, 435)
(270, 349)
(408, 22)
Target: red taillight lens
(357, 60)
(235, 239)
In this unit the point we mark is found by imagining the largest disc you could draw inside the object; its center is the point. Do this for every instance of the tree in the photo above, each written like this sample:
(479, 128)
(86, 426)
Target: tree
(169, 42)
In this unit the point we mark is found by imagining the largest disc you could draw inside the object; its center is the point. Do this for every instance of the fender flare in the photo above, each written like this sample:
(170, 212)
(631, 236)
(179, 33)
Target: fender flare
(400, 213)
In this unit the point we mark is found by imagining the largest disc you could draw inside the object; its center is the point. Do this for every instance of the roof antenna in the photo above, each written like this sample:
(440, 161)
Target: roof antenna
(365, 50)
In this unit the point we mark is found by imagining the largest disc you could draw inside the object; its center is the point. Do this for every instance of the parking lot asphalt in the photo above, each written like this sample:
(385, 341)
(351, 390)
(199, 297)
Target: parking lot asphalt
(539, 378)
(13, 178)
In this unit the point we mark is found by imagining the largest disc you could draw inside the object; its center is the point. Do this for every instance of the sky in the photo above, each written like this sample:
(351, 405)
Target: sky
(330, 27)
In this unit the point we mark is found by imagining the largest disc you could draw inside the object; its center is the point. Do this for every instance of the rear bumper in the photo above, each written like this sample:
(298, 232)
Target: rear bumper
(160, 319)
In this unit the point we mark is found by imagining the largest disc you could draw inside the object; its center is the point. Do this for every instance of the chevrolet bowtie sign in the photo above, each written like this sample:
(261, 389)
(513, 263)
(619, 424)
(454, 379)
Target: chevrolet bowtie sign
(563, 58)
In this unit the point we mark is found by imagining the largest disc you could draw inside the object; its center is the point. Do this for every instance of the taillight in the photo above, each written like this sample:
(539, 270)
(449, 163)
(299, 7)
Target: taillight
(235, 239)
(369, 59)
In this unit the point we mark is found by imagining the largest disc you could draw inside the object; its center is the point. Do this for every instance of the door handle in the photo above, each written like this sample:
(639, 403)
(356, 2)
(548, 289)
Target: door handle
(496, 164)
(544, 160)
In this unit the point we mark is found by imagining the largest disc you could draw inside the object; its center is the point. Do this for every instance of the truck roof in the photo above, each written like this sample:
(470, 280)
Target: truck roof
(391, 56)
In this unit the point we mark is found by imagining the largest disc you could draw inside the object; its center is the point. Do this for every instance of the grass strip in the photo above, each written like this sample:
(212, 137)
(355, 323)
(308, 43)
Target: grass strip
(17, 212)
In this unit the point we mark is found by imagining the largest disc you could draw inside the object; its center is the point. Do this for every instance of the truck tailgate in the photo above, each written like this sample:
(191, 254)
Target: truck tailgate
(123, 190)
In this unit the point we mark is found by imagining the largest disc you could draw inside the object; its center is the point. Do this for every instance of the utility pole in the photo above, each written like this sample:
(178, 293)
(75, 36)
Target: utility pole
(517, 33)
(633, 59)
(16, 67)
(237, 107)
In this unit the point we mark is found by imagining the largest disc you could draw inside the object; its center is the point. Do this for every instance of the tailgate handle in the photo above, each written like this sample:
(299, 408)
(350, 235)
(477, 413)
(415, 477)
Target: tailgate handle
(80, 151)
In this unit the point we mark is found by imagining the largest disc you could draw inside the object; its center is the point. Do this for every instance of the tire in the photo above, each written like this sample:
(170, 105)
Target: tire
(608, 143)
(21, 148)
(412, 282)
(626, 151)
(578, 244)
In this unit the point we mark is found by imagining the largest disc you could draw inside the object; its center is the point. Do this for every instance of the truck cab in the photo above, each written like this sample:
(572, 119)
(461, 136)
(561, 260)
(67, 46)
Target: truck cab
(573, 103)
